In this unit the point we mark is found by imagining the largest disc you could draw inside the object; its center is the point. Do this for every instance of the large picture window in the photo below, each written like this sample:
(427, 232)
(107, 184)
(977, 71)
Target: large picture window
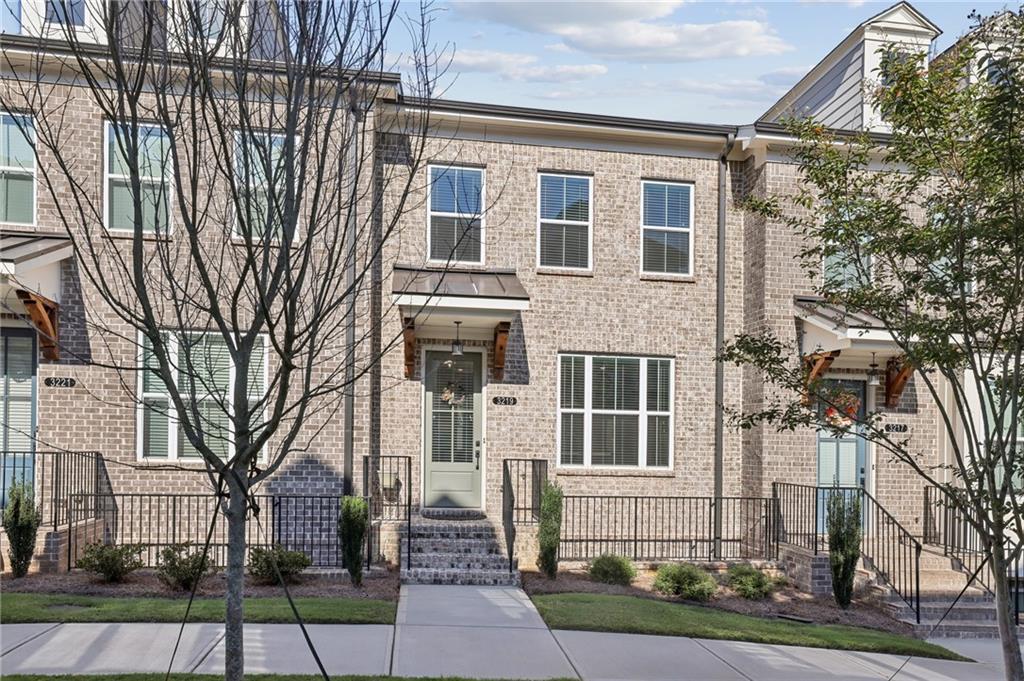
(17, 170)
(455, 229)
(152, 162)
(614, 411)
(205, 374)
(564, 232)
(667, 228)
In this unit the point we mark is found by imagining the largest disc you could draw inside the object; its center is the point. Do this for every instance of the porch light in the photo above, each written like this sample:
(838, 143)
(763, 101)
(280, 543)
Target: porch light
(457, 343)
(873, 379)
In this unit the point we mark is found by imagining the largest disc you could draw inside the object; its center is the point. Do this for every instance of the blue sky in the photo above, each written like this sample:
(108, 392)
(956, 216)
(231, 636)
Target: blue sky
(723, 62)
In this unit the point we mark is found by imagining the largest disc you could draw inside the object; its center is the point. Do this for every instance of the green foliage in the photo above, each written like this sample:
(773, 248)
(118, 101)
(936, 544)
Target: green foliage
(112, 563)
(685, 581)
(749, 582)
(352, 527)
(181, 568)
(549, 532)
(843, 544)
(609, 568)
(289, 564)
(21, 522)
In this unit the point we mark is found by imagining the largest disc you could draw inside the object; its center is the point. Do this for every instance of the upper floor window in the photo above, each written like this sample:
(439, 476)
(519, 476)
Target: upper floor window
(846, 270)
(259, 164)
(17, 170)
(564, 239)
(455, 230)
(70, 12)
(10, 16)
(151, 163)
(204, 375)
(667, 227)
(615, 411)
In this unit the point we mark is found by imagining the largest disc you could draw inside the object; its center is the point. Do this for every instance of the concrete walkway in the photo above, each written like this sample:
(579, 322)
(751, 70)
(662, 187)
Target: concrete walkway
(476, 632)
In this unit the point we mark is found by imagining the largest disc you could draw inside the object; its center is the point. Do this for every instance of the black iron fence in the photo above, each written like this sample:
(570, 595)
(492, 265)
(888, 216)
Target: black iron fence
(54, 477)
(669, 528)
(388, 485)
(306, 523)
(527, 477)
(886, 546)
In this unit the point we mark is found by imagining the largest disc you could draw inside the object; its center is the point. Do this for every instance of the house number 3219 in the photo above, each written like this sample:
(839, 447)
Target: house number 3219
(505, 401)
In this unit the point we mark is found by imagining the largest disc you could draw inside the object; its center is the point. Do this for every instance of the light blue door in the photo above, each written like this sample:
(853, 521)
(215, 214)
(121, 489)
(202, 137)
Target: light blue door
(17, 407)
(842, 456)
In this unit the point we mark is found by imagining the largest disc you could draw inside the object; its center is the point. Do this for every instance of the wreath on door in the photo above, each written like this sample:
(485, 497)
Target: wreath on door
(843, 410)
(453, 394)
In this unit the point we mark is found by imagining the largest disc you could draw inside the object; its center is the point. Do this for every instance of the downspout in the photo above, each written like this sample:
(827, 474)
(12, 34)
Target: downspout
(723, 167)
(352, 161)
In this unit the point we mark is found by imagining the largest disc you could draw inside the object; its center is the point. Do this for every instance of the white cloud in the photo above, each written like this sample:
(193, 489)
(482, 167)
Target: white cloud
(522, 67)
(632, 31)
(558, 47)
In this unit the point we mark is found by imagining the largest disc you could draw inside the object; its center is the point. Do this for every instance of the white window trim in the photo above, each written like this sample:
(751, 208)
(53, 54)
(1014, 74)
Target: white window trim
(172, 420)
(19, 169)
(689, 229)
(431, 213)
(108, 127)
(575, 223)
(588, 412)
(235, 234)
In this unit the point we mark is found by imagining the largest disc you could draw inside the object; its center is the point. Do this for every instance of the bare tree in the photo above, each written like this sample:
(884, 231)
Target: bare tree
(234, 245)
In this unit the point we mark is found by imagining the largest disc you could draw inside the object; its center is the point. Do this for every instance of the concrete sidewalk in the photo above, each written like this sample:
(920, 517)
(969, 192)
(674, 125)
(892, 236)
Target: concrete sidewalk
(476, 632)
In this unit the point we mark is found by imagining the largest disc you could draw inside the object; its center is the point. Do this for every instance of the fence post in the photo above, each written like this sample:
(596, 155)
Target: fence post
(814, 522)
(636, 528)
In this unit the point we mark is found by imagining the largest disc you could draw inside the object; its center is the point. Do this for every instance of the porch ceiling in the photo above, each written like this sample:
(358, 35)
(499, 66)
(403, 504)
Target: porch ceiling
(828, 328)
(30, 281)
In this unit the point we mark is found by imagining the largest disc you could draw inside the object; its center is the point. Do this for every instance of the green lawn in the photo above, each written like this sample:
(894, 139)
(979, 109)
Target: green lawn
(18, 607)
(633, 615)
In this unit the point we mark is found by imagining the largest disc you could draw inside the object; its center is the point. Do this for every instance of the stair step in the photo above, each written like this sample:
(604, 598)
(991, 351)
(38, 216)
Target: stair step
(452, 514)
(418, 575)
(454, 545)
(462, 561)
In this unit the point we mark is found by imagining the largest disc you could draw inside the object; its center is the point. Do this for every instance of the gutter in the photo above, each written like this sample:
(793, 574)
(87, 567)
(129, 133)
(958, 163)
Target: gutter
(723, 167)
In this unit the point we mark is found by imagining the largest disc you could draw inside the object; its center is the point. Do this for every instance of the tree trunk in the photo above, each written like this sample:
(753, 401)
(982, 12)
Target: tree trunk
(234, 654)
(1004, 616)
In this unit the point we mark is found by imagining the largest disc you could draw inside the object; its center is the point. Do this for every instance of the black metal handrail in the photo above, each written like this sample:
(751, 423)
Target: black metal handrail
(891, 550)
(668, 528)
(389, 489)
(306, 523)
(508, 505)
(54, 477)
(527, 477)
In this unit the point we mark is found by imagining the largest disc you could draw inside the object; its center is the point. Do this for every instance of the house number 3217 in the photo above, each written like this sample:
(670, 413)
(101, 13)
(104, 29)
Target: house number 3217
(505, 401)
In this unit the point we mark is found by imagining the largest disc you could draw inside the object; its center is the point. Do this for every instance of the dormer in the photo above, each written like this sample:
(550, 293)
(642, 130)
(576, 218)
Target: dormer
(836, 91)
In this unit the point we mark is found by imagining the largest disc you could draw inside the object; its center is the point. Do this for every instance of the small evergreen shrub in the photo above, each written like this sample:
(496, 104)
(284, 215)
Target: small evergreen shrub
(289, 564)
(749, 582)
(181, 568)
(612, 569)
(112, 563)
(549, 532)
(21, 522)
(843, 544)
(685, 581)
(352, 526)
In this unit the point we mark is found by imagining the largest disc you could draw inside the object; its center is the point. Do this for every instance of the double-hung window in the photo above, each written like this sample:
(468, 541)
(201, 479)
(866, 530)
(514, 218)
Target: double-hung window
(17, 170)
(455, 224)
(615, 411)
(204, 375)
(667, 228)
(152, 161)
(564, 232)
(259, 163)
(68, 12)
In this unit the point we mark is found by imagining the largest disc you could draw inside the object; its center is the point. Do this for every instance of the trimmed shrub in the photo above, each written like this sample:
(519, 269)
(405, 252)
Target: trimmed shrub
(183, 569)
(549, 532)
(609, 568)
(749, 582)
(289, 564)
(843, 544)
(685, 581)
(21, 522)
(112, 563)
(352, 527)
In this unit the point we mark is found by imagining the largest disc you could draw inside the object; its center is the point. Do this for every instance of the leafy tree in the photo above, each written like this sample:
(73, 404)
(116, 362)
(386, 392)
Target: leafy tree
(843, 543)
(924, 229)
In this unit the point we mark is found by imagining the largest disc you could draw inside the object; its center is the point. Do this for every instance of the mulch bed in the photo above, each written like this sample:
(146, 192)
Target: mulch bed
(784, 601)
(378, 584)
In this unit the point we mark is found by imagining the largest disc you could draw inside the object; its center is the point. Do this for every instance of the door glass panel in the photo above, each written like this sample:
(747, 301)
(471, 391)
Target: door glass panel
(452, 406)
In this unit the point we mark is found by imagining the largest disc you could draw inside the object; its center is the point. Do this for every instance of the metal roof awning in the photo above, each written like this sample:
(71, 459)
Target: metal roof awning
(828, 327)
(30, 282)
(483, 302)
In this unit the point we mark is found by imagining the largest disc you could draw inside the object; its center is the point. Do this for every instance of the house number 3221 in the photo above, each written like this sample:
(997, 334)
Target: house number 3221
(59, 382)
(505, 401)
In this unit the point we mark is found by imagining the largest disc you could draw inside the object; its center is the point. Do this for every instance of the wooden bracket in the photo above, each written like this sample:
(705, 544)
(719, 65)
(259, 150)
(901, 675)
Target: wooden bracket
(817, 364)
(897, 372)
(44, 315)
(409, 336)
(500, 345)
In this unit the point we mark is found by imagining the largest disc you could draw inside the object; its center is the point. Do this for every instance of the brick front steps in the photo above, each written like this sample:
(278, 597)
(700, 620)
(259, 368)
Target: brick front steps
(458, 547)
